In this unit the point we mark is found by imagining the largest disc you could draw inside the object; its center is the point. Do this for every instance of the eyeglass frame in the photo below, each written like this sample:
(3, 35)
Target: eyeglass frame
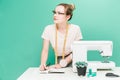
(59, 13)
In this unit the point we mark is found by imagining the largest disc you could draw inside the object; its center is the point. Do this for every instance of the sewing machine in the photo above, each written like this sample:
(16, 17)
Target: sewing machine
(80, 49)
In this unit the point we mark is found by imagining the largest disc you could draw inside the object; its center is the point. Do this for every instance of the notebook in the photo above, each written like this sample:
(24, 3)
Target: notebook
(53, 70)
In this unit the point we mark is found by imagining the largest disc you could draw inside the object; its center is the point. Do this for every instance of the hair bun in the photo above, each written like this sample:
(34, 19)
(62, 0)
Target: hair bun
(72, 6)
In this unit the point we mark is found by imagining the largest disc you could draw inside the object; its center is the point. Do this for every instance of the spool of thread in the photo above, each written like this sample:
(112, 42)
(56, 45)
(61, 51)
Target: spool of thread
(90, 71)
(91, 74)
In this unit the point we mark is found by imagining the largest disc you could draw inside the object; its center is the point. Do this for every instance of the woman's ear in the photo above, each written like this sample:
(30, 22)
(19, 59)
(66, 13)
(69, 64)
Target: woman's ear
(68, 17)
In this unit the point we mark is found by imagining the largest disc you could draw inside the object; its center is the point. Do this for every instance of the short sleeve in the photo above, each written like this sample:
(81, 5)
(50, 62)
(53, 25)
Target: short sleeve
(45, 34)
(78, 34)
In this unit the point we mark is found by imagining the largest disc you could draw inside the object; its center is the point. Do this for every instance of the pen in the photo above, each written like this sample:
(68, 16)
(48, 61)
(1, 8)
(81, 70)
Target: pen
(46, 66)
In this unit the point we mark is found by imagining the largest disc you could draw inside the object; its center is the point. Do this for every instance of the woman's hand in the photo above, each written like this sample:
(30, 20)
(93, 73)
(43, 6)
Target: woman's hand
(43, 67)
(55, 66)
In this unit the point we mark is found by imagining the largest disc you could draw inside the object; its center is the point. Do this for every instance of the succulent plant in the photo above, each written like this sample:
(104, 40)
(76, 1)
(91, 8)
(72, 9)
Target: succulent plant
(81, 64)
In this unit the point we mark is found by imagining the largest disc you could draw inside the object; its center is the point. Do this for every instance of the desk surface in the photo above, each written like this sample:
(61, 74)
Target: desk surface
(34, 74)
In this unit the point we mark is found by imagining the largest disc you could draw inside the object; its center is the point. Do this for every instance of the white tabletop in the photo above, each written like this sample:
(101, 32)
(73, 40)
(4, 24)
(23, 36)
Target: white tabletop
(33, 73)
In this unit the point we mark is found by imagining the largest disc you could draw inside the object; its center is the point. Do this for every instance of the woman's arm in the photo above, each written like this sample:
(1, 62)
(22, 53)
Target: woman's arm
(67, 60)
(44, 54)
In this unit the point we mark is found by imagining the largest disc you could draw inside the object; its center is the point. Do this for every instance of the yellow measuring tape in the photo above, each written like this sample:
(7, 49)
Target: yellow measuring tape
(56, 44)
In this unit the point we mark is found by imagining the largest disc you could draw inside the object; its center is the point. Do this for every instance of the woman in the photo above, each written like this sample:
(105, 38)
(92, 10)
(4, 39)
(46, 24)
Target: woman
(61, 35)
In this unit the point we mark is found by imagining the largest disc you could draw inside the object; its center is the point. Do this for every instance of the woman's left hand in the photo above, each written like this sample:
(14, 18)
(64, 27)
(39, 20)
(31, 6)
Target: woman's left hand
(55, 66)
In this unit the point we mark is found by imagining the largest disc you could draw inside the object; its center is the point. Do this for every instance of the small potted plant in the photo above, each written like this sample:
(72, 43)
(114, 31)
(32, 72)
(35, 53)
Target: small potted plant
(81, 67)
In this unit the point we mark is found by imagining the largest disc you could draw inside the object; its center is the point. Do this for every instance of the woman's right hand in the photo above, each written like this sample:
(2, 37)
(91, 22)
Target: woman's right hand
(43, 67)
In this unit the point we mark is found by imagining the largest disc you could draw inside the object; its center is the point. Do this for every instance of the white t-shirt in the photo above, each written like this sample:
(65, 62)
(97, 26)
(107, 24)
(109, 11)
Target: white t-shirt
(74, 34)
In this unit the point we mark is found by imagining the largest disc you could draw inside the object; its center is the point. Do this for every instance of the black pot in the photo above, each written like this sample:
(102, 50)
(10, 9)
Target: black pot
(81, 71)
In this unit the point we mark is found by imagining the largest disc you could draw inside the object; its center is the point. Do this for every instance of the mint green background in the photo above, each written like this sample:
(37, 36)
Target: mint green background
(22, 23)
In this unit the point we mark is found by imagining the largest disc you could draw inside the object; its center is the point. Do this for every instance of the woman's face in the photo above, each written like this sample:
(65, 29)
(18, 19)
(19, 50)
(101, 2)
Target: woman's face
(60, 15)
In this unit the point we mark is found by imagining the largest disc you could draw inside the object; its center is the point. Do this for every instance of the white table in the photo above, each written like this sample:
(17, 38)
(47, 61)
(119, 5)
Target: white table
(34, 74)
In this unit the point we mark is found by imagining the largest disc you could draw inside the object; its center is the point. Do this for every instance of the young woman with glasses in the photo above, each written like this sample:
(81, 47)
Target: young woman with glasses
(60, 35)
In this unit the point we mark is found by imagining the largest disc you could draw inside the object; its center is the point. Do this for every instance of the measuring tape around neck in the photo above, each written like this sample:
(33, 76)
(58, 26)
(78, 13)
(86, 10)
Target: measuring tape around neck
(56, 44)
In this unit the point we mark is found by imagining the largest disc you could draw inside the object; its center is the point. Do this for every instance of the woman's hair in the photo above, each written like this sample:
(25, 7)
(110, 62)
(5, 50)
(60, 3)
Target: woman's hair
(68, 9)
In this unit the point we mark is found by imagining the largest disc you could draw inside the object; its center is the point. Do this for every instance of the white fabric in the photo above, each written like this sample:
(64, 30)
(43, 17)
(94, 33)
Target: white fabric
(74, 33)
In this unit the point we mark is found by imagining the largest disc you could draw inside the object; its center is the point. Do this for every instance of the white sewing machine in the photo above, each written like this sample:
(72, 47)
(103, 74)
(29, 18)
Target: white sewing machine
(80, 49)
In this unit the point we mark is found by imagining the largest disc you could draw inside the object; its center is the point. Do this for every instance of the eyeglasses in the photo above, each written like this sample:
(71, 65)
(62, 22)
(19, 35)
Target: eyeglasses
(59, 13)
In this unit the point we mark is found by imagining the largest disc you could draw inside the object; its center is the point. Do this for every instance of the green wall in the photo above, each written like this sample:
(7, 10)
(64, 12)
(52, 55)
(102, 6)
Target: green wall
(22, 23)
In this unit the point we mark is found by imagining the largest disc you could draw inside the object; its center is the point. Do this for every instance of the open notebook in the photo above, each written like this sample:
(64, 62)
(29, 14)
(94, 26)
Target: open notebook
(53, 70)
